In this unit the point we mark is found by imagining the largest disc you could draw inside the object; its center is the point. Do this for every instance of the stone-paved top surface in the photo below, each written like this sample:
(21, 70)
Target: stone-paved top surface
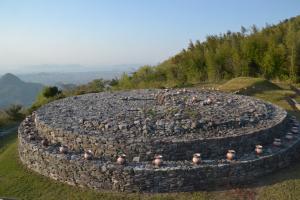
(180, 113)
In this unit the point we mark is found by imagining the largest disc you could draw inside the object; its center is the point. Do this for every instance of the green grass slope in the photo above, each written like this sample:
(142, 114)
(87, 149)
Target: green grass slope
(247, 85)
(18, 182)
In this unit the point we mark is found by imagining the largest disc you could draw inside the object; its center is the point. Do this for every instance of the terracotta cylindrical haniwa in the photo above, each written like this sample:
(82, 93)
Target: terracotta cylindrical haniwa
(88, 155)
(230, 155)
(258, 149)
(196, 158)
(158, 160)
(63, 149)
(121, 159)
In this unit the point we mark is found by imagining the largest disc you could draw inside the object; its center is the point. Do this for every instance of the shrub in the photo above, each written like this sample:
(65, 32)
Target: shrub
(50, 92)
(14, 112)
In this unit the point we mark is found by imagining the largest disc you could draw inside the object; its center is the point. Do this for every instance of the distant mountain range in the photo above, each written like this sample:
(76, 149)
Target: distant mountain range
(61, 78)
(70, 68)
(51, 74)
(15, 91)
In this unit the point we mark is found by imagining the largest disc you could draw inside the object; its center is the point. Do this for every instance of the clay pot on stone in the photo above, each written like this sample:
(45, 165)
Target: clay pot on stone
(196, 158)
(289, 136)
(88, 155)
(63, 149)
(121, 159)
(258, 149)
(158, 160)
(230, 155)
(209, 101)
(45, 142)
(277, 142)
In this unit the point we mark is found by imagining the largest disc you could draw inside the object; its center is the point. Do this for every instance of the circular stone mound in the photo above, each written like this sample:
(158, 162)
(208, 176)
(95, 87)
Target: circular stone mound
(94, 129)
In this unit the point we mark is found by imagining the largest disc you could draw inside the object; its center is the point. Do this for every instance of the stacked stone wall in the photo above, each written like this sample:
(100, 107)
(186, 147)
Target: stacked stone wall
(77, 140)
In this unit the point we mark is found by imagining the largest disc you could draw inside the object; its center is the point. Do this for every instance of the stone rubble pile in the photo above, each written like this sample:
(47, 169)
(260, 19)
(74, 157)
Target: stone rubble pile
(146, 140)
(159, 113)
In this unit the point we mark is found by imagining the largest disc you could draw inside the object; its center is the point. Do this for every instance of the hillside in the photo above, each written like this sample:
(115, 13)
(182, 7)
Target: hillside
(272, 52)
(19, 182)
(248, 85)
(15, 91)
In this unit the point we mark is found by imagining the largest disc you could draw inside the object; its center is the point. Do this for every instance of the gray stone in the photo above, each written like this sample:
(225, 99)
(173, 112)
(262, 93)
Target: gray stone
(136, 159)
(113, 125)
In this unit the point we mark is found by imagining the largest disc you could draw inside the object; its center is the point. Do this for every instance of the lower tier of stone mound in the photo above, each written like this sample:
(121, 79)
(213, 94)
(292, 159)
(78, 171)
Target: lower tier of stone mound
(139, 124)
(172, 176)
(144, 149)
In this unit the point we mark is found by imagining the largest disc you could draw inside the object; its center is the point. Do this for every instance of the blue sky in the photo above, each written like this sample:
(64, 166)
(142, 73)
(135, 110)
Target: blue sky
(116, 32)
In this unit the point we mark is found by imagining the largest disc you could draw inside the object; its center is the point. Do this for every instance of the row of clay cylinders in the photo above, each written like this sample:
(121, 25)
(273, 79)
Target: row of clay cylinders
(259, 148)
(231, 154)
(158, 159)
(88, 155)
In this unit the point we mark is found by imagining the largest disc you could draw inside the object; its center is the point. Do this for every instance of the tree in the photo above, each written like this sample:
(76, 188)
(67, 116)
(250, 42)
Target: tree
(272, 61)
(243, 30)
(125, 82)
(97, 85)
(47, 95)
(292, 42)
(114, 82)
(14, 112)
(191, 45)
(254, 29)
(272, 52)
(50, 91)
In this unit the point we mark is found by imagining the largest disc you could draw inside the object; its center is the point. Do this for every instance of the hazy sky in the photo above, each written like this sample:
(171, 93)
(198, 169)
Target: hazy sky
(113, 32)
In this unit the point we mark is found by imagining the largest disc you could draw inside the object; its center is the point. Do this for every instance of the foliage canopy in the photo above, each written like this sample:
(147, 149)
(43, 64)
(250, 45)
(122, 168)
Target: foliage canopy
(271, 53)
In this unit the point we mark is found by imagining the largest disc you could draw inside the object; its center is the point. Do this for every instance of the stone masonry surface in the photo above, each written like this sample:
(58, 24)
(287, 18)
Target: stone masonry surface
(173, 123)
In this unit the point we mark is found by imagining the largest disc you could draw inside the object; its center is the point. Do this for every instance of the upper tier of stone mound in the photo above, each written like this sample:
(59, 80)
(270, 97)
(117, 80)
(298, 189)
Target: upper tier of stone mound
(180, 113)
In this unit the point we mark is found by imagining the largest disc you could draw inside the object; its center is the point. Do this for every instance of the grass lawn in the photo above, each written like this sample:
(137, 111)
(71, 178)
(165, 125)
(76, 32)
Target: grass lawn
(18, 182)
(248, 85)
